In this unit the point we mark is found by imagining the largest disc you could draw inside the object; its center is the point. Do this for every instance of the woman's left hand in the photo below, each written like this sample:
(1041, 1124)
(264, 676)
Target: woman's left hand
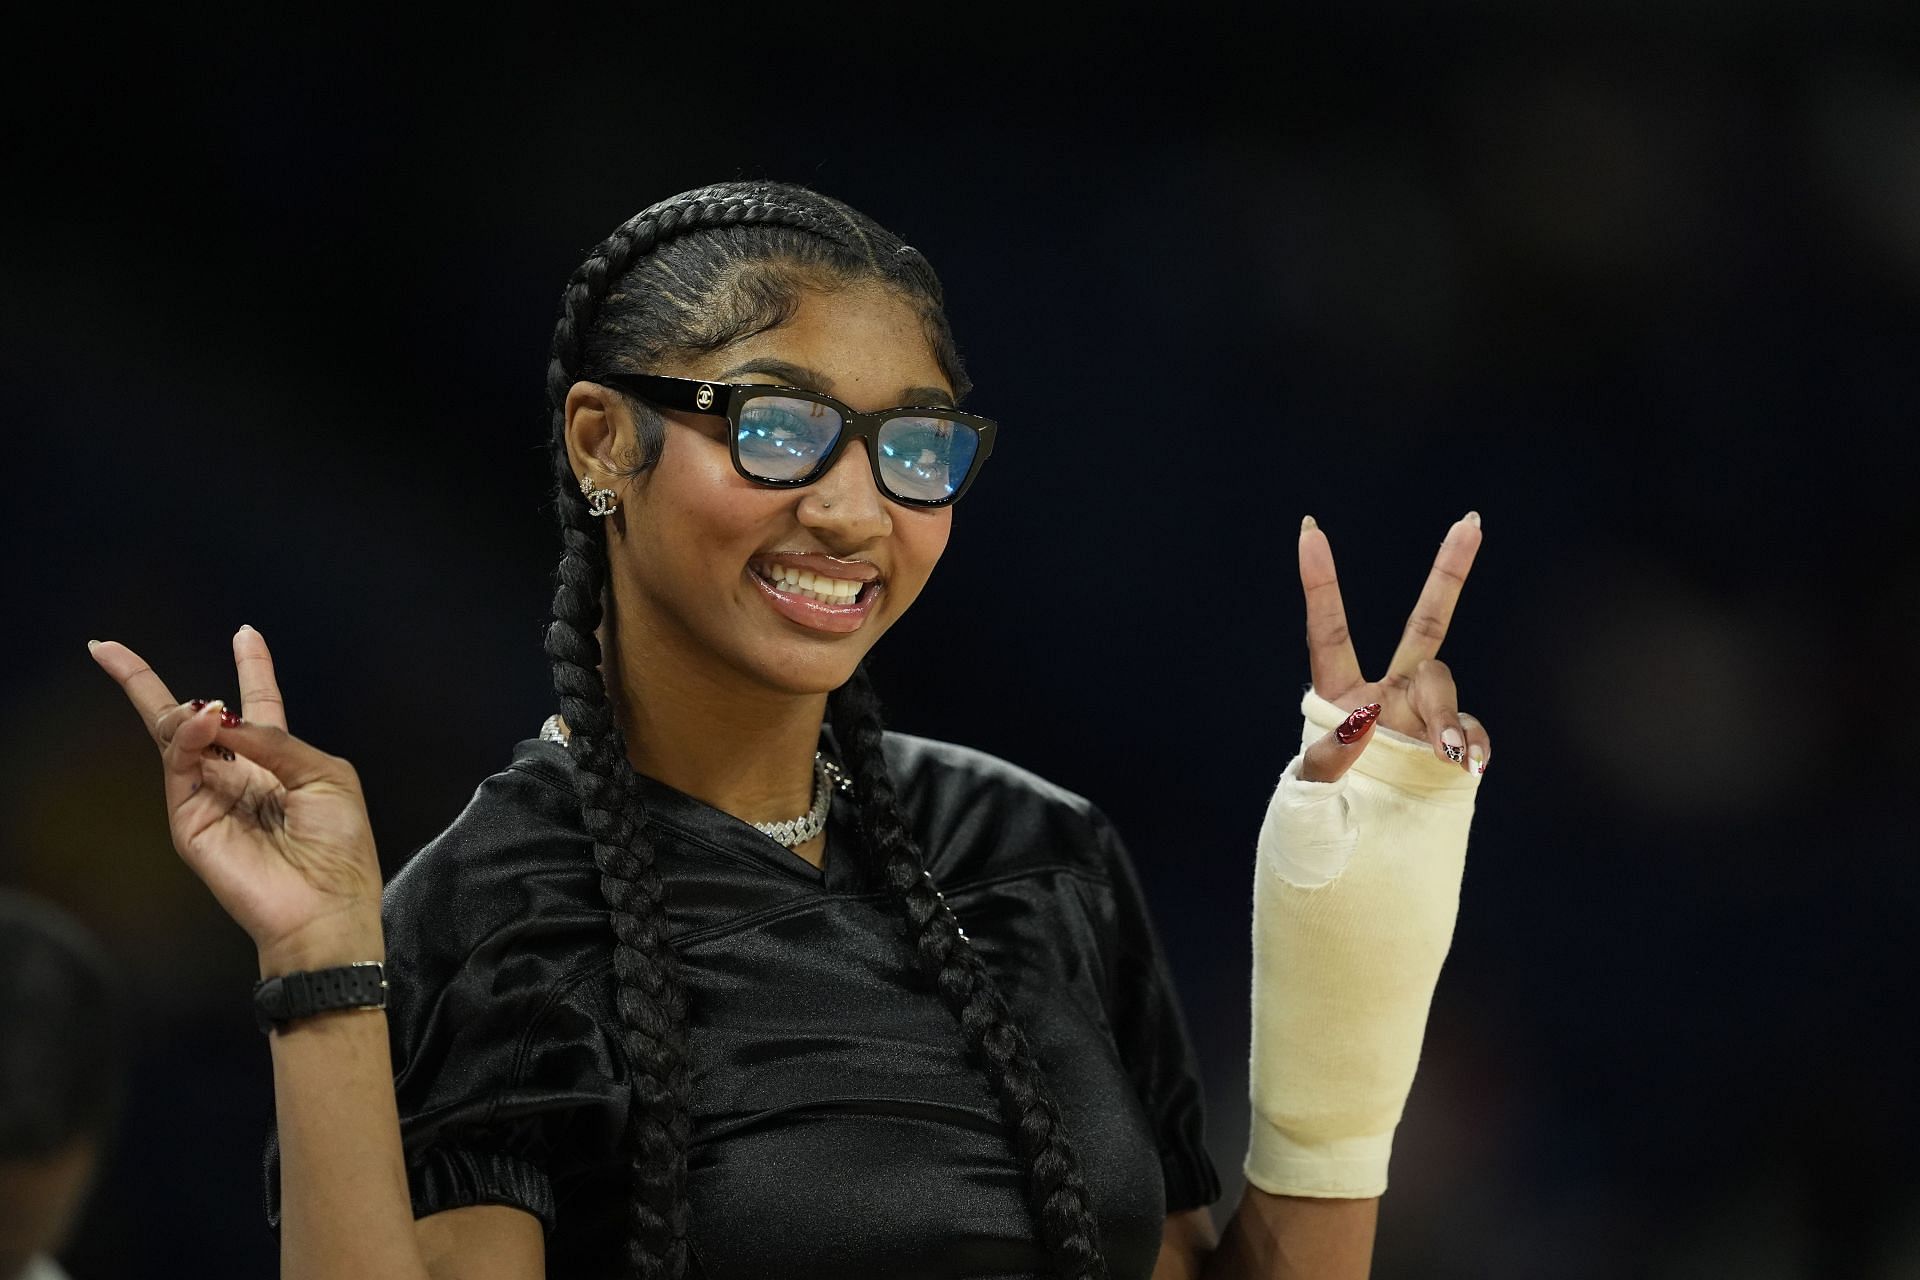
(1417, 696)
(1349, 971)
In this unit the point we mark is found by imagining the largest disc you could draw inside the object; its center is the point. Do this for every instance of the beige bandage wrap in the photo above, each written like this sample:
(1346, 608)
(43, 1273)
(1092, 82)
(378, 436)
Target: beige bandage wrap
(1356, 884)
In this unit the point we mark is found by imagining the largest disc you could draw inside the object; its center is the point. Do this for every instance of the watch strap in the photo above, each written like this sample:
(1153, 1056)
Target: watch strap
(280, 1000)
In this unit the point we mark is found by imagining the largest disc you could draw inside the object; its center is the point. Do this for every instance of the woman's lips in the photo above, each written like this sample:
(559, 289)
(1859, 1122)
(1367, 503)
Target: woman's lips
(814, 615)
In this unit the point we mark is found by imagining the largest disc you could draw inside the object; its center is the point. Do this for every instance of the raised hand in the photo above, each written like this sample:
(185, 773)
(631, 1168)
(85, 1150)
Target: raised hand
(277, 829)
(1350, 973)
(1416, 695)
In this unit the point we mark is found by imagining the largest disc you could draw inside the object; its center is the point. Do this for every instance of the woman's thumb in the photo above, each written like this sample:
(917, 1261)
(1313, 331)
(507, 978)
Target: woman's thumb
(1336, 750)
(294, 762)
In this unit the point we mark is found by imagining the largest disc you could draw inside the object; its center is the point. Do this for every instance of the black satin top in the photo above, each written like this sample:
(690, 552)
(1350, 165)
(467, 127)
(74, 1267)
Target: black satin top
(837, 1128)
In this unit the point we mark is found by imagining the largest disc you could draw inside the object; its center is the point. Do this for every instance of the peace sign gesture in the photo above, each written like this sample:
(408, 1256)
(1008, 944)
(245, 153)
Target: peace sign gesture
(275, 828)
(1416, 695)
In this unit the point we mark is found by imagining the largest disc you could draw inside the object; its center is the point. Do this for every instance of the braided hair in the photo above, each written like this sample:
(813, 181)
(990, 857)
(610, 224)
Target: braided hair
(689, 276)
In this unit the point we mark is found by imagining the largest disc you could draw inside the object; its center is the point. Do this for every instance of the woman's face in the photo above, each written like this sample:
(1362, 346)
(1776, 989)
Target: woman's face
(702, 560)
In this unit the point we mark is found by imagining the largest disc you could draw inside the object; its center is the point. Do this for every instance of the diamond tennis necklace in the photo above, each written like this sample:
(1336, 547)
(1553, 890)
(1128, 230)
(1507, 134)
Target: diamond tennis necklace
(828, 777)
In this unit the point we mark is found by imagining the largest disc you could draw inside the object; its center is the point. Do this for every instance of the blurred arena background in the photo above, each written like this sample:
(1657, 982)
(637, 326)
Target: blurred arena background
(1639, 282)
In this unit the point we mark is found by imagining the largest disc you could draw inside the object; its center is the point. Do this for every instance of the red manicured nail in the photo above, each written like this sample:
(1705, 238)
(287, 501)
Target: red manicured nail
(1357, 723)
(229, 717)
(198, 703)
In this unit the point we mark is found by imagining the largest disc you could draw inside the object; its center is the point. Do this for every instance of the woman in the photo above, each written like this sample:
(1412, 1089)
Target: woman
(875, 1005)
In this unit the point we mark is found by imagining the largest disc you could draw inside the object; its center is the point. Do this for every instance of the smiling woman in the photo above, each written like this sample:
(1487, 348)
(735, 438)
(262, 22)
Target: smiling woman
(686, 988)
(706, 509)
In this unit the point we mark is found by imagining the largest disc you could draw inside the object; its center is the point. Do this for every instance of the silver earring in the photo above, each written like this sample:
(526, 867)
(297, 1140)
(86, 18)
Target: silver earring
(600, 502)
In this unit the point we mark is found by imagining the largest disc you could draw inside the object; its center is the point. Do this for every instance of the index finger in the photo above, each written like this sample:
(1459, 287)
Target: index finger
(1330, 657)
(1433, 612)
(260, 699)
(145, 690)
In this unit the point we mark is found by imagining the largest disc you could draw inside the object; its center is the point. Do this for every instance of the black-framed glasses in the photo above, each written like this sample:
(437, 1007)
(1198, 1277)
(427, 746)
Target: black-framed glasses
(922, 456)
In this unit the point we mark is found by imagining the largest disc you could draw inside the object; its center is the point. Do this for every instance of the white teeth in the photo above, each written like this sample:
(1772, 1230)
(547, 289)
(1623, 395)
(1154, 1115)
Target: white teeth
(814, 586)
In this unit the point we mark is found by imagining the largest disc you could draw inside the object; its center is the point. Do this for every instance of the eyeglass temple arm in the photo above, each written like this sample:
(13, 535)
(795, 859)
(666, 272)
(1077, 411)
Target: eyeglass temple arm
(674, 393)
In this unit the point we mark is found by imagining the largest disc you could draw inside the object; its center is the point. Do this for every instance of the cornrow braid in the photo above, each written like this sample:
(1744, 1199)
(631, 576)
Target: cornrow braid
(649, 993)
(1056, 1192)
(737, 252)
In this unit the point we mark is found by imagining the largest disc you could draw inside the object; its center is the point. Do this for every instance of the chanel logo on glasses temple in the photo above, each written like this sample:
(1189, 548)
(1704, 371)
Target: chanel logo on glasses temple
(704, 398)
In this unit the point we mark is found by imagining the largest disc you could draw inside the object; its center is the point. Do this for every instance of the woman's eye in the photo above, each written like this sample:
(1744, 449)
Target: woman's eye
(777, 426)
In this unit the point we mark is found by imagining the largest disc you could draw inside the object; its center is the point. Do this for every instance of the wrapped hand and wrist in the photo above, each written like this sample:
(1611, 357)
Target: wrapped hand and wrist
(1356, 885)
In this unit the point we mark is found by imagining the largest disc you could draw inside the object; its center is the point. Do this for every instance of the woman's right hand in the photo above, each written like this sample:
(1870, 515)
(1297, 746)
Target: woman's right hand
(277, 829)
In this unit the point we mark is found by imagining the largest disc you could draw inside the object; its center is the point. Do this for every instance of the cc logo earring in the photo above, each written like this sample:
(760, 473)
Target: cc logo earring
(599, 501)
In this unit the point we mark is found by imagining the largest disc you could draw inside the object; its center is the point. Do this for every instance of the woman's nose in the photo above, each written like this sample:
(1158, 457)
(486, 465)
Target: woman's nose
(847, 498)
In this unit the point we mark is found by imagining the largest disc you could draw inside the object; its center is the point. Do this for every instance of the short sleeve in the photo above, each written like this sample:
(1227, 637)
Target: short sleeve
(505, 1097)
(1151, 1034)
(511, 1088)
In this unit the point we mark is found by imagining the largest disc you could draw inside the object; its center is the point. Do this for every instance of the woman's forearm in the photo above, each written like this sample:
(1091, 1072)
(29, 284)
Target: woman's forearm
(345, 1210)
(1274, 1237)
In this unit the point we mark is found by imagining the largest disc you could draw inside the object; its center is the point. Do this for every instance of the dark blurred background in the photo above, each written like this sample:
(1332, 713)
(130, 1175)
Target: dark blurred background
(1639, 282)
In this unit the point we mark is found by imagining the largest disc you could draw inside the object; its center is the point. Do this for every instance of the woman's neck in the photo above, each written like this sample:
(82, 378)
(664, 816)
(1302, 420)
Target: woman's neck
(745, 750)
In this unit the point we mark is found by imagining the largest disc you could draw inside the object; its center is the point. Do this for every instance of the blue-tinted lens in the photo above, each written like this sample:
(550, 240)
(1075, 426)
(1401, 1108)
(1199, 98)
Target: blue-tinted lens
(925, 459)
(783, 437)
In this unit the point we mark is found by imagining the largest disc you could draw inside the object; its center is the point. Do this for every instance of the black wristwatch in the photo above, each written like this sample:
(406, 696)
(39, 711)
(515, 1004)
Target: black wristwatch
(278, 1001)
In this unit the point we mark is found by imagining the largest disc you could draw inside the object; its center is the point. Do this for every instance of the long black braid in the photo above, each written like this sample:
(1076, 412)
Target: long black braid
(691, 275)
(1056, 1192)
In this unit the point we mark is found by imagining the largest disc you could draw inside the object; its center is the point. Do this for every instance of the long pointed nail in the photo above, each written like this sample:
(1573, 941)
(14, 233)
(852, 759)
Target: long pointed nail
(1308, 522)
(1472, 518)
(1358, 721)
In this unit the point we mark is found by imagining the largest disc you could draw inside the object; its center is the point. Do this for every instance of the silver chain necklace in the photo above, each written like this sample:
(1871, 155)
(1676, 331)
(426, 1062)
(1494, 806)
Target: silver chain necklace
(828, 777)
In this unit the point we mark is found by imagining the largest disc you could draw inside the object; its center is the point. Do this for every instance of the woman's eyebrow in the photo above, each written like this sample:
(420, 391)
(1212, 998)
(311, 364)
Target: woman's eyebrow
(794, 375)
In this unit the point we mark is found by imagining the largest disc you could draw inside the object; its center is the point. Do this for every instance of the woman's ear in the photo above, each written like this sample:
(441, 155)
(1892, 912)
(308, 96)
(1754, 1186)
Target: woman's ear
(599, 431)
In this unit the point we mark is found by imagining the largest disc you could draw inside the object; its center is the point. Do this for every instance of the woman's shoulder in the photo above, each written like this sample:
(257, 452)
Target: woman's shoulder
(510, 870)
(528, 811)
(980, 814)
(915, 761)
